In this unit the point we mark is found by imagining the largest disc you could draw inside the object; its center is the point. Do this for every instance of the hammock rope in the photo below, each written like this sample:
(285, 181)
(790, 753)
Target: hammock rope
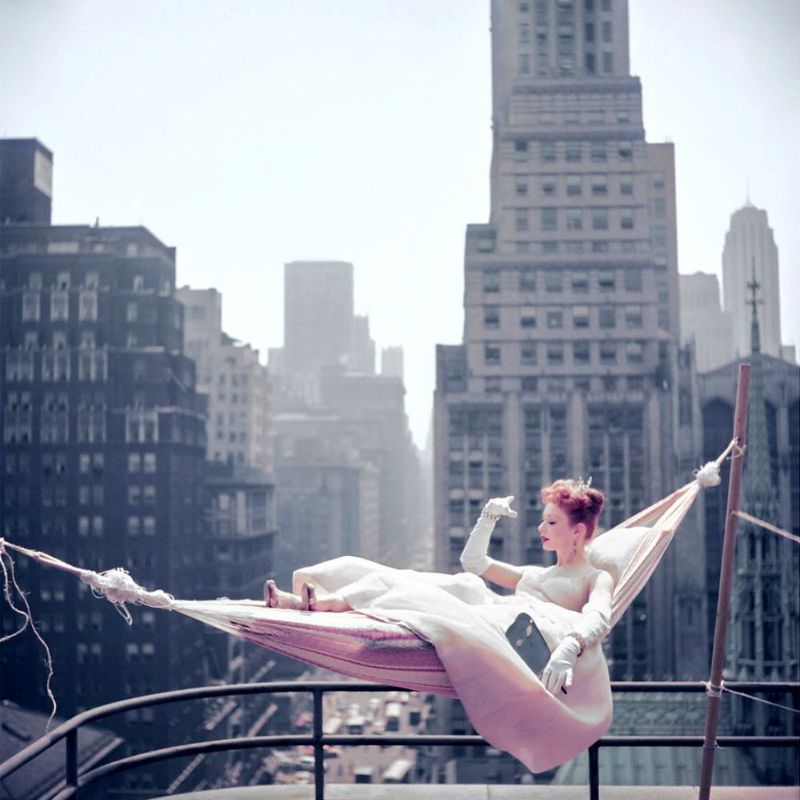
(767, 526)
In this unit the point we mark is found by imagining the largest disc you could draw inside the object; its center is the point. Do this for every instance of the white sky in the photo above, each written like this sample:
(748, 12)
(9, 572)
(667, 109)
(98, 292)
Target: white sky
(249, 133)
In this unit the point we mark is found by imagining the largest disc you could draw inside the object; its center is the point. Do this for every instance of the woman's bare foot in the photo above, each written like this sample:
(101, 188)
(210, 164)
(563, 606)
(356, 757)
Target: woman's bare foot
(276, 598)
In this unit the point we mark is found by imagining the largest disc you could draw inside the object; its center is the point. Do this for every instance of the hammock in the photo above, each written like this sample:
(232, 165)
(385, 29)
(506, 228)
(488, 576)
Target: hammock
(356, 644)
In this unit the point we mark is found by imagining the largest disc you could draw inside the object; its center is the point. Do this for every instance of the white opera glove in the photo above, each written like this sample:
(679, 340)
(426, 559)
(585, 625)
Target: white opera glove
(475, 555)
(557, 673)
(593, 626)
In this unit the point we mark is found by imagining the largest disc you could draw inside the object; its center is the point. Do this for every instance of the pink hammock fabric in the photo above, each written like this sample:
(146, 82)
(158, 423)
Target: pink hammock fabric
(446, 635)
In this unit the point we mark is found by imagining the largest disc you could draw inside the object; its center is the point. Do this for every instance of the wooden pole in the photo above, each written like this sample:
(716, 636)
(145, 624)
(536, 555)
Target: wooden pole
(714, 690)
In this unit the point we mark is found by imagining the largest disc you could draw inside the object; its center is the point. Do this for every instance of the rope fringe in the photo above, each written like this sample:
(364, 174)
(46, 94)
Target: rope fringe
(10, 579)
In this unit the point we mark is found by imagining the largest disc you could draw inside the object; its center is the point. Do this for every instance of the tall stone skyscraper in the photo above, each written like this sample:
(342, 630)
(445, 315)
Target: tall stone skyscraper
(750, 244)
(569, 363)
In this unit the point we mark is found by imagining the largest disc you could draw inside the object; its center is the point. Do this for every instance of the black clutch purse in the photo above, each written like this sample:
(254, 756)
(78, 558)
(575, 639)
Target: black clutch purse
(528, 642)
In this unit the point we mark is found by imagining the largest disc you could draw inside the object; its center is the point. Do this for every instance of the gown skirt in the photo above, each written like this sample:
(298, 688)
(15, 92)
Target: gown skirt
(466, 622)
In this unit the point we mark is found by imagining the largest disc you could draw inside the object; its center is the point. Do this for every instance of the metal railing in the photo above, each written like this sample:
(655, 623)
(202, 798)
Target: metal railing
(76, 780)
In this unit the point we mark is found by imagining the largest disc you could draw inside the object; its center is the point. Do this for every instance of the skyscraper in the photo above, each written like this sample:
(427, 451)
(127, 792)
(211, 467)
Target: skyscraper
(103, 444)
(750, 245)
(318, 314)
(569, 363)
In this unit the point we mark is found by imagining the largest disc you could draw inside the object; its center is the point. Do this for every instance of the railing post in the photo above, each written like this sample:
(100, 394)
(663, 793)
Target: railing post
(594, 771)
(319, 753)
(71, 766)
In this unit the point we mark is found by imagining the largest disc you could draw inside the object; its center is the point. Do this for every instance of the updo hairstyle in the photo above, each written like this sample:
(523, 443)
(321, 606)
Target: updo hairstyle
(581, 503)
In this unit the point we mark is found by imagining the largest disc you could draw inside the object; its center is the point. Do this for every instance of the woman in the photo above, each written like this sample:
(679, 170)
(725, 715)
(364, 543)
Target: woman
(570, 603)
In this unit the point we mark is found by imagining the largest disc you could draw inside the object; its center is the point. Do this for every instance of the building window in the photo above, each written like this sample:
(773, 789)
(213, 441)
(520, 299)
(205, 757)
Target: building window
(491, 318)
(626, 219)
(625, 152)
(590, 63)
(599, 187)
(30, 306)
(527, 281)
(555, 353)
(580, 353)
(528, 320)
(633, 317)
(634, 352)
(608, 63)
(588, 33)
(87, 305)
(606, 318)
(555, 319)
(659, 207)
(59, 305)
(574, 218)
(573, 152)
(580, 282)
(554, 280)
(574, 187)
(547, 151)
(549, 219)
(598, 152)
(599, 219)
(521, 220)
(520, 149)
(529, 384)
(491, 354)
(626, 188)
(580, 316)
(608, 353)
(549, 247)
(491, 281)
(521, 189)
(606, 282)
(633, 280)
(492, 385)
(528, 354)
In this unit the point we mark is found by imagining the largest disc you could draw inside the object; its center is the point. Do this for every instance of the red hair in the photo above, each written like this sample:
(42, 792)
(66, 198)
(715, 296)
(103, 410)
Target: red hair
(581, 503)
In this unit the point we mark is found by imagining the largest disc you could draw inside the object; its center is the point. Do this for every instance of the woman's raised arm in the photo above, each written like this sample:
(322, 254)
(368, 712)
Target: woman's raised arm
(475, 555)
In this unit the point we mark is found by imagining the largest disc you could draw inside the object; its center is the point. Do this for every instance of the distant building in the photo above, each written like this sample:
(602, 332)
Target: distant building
(237, 385)
(750, 245)
(46, 775)
(103, 447)
(26, 182)
(318, 315)
(328, 491)
(392, 362)
(703, 322)
(362, 348)
(103, 463)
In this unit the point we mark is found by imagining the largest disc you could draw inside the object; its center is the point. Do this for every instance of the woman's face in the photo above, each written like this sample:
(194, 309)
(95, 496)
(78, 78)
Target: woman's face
(555, 530)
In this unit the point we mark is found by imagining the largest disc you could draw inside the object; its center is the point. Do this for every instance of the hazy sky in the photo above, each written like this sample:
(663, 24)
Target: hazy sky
(249, 133)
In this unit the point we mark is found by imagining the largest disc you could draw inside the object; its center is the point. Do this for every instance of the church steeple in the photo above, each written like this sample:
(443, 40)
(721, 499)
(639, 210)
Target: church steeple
(754, 302)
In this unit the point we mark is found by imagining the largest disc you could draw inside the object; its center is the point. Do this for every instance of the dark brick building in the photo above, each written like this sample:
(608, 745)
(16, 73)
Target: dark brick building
(103, 445)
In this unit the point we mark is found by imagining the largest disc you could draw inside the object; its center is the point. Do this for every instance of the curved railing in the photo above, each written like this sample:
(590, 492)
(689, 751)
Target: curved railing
(75, 780)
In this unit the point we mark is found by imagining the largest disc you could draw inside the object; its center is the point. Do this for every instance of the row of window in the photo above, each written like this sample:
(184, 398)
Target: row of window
(564, 6)
(554, 281)
(557, 385)
(551, 218)
(54, 463)
(555, 319)
(571, 152)
(583, 353)
(56, 365)
(59, 305)
(90, 281)
(596, 185)
(582, 246)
